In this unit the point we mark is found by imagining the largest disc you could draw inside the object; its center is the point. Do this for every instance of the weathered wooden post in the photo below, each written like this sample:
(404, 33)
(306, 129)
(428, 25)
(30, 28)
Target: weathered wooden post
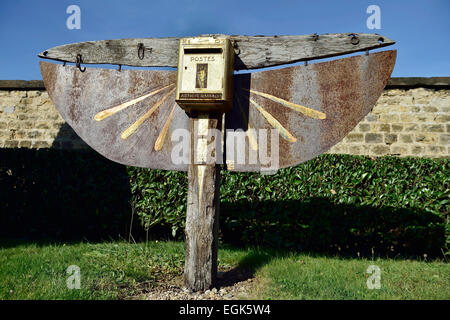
(139, 117)
(202, 216)
(204, 91)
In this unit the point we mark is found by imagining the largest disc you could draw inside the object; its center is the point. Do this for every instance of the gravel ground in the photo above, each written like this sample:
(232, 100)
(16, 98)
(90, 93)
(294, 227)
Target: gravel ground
(231, 285)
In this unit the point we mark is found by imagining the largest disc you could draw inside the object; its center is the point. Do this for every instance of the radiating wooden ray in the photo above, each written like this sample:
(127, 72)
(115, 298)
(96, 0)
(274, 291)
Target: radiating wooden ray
(302, 109)
(251, 138)
(109, 112)
(131, 129)
(274, 122)
(162, 136)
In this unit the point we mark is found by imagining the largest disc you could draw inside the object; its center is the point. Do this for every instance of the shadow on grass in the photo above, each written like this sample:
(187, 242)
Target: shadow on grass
(246, 267)
(318, 225)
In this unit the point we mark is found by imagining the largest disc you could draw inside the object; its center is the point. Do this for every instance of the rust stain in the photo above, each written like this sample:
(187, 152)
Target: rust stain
(278, 83)
(48, 71)
(75, 93)
(251, 138)
(353, 84)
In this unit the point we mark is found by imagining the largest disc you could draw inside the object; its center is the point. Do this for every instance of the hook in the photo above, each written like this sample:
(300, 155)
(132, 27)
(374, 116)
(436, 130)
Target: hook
(355, 38)
(235, 47)
(119, 68)
(78, 64)
(141, 48)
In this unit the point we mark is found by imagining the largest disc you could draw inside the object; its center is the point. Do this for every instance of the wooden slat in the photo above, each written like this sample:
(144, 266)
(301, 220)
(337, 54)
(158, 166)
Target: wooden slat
(251, 51)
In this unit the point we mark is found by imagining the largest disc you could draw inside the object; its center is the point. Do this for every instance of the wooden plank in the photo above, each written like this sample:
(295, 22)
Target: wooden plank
(158, 52)
(251, 51)
(259, 52)
(202, 213)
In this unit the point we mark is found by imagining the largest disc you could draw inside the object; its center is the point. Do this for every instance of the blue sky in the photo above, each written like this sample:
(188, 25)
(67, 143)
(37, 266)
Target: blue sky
(421, 28)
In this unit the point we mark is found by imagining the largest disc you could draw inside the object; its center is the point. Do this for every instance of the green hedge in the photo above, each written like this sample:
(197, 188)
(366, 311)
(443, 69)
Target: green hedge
(334, 203)
(62, 195)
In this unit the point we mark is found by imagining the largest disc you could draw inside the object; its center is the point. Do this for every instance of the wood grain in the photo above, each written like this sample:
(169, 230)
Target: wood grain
(202, 215)
(251, 51)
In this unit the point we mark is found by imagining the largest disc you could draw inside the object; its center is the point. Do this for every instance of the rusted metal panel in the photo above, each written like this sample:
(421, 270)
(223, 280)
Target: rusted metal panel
(129, 116)
(86, 100)
(336, 94)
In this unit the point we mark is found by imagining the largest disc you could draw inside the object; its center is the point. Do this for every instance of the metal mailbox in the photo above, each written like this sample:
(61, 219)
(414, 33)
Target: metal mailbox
(205, 74)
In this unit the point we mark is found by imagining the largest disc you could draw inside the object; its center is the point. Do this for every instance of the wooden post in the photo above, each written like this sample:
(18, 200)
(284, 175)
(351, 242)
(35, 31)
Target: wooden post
(202, 216)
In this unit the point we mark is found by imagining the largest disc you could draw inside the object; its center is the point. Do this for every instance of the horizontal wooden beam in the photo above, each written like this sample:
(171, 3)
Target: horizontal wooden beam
(251, 51)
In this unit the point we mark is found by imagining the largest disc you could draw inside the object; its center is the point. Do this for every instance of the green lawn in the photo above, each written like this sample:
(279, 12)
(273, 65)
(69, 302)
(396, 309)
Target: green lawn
(300, 276)
(118, 270)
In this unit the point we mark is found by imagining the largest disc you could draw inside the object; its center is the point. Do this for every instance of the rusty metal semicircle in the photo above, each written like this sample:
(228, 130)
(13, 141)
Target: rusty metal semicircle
(313, 106)
(128, 116)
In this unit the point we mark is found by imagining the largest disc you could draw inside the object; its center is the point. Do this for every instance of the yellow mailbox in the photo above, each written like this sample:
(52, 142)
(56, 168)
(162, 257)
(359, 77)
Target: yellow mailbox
(205, 74)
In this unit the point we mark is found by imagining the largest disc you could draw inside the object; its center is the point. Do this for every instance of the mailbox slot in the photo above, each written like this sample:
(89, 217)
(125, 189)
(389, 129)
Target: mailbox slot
(203, 51)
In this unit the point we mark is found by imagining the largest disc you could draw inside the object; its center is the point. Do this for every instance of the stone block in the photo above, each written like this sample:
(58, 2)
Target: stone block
(433, 128)
(364, 127)
(11, 144)
(444, 139)
(41, 144)
(373, 138)
(429, 109)
(411, 127)
(25, 144)
(442, 118)
(380, 150)
(354, 137)
(390, 138)
(381, 127)
(354, 149)
(396, 127)
(399, 150)
(417, 150)
(428, 138)
(389, 118)
(407, 117)
(406, 138)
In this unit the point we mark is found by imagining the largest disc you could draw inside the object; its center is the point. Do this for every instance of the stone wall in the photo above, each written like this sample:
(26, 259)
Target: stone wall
(404, 122)
(28, 119)
(411, 118)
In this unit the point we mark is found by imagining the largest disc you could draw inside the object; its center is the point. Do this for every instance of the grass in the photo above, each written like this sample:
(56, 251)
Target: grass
(108, 270)
(300, 276)
(118, 270)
